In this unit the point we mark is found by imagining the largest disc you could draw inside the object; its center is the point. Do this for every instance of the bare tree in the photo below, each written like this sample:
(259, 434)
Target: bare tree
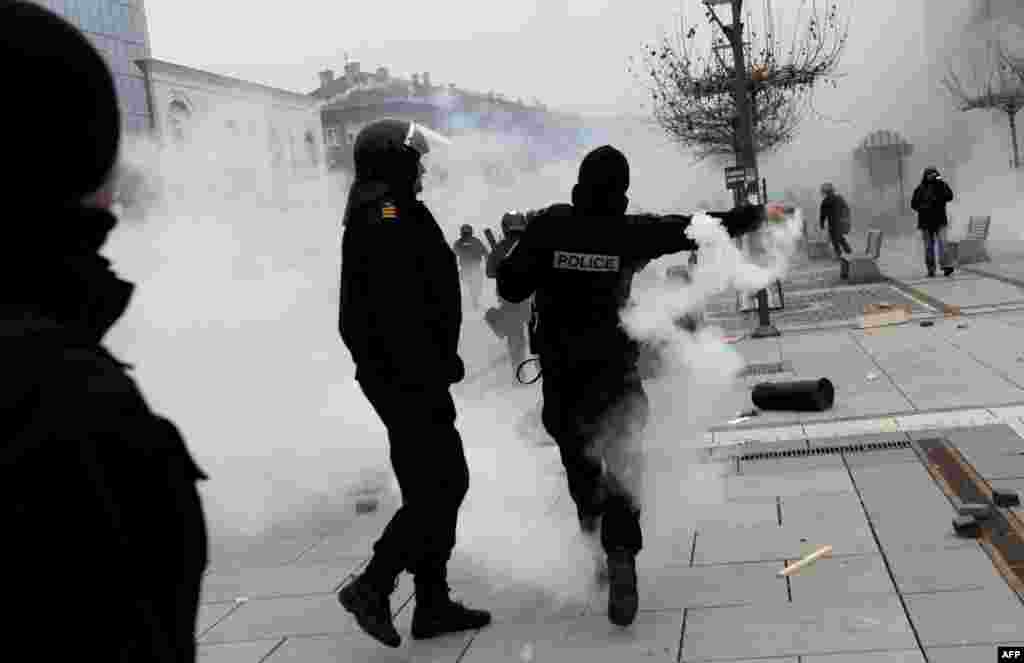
(992, 78)
(692, 87)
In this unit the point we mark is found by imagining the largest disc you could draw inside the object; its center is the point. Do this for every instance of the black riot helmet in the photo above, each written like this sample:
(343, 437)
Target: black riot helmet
(513, 223)
(390, 151)
(466, 230)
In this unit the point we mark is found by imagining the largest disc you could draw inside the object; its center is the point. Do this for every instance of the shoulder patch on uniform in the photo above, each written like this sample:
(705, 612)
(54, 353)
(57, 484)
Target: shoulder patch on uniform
(586, 262)
(388, 211)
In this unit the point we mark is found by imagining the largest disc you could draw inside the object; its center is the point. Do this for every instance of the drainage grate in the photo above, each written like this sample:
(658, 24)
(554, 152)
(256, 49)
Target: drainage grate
(766, 369)
(827, 450)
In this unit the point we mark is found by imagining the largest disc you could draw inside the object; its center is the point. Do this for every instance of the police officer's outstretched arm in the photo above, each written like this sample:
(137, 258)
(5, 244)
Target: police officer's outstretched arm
(653, 236)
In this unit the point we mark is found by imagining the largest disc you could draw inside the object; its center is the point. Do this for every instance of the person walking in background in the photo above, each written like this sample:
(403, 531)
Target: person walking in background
(929, 201)
(508, 320)
(101, 510)
(471, 253)
(836, 213)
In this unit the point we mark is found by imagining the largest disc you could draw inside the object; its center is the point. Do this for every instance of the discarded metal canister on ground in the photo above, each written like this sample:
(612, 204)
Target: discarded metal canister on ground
(1005, 498)
(801, 395)
(966, 526)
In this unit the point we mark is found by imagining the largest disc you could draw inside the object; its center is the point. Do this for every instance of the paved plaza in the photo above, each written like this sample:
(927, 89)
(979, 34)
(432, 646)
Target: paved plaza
(899, 587)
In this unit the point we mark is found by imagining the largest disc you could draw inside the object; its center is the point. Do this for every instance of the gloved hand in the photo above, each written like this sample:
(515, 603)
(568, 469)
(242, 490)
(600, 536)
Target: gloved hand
(456, 370)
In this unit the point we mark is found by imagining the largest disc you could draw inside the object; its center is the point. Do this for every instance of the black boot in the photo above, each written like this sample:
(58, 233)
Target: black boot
(370, 603)
(622, 595)
(948, 271)
(437, 614)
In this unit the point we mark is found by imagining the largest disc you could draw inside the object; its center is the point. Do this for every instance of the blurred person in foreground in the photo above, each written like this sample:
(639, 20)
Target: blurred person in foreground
(400, 318)
(578, 262)
(471, 253)
(836, 214)
(102, 515)
(508, 320)
(929, 201)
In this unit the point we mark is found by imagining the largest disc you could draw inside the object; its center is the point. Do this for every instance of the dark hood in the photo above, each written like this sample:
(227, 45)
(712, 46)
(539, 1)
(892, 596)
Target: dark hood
(60, 276)
(602, 183)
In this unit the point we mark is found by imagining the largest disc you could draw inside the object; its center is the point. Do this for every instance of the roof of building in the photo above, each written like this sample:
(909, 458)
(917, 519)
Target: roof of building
(153, 64)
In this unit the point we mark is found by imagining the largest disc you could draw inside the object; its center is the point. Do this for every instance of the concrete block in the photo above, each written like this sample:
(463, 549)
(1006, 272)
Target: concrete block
(767, 488)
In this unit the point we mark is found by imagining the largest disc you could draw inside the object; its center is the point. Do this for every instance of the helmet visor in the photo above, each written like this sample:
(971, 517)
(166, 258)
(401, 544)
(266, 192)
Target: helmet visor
(419, 138)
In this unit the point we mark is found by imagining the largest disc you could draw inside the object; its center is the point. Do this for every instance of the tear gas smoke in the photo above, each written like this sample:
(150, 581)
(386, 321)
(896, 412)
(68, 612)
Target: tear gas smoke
(233, 332)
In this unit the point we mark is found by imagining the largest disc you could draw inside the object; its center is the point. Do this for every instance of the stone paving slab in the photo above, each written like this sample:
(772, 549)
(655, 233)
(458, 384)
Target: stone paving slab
(732, 515)
(210, 614)
(774, 543)
(966, 618)
(958, 569)
(237, 552)
(678, 587)
(254, 651)
(996, 465)
(965, 292)
(768, 487)
(862, 623)
(516, 602)
(288, 580)
(653, 637)
(902, 656)
(269, 618)
(998, 438)
(847, 575)
(811, 511)
(789, 466)
(970, 654)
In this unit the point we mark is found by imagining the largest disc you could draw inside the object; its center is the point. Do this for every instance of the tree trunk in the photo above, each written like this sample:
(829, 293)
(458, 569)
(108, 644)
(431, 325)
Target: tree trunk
(1013, 136)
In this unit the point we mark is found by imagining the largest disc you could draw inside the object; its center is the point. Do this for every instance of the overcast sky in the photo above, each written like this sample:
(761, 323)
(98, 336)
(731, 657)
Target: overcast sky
(569, 53)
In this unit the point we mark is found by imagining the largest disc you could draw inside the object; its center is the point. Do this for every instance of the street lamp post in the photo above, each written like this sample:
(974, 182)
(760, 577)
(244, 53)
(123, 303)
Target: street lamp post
(747, 155)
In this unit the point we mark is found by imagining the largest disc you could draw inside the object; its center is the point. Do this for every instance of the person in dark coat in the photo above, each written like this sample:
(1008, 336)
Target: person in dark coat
(471, 253)
(508, 320)
(400, 318)
(578, 262)
(929, 201)
(101, 512)
(836, 213)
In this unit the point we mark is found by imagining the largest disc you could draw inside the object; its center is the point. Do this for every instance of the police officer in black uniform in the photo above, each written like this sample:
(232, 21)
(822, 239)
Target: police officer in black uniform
(471, 253)
(400, 318)
(578, 261)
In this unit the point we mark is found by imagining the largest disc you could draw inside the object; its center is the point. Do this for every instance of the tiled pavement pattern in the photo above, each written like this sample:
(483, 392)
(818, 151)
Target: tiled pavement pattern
(899, 587)
(898, 584)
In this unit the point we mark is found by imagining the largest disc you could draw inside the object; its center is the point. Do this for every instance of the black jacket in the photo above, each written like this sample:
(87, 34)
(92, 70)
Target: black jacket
(401, 309)
(470, 251)
(929, 201)
(92, 481)
(836, 213)
(580, 270)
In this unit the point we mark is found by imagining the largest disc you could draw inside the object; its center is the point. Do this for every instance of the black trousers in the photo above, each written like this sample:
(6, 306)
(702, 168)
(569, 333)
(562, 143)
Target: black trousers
(839, 243)
(430, 464)
(595, 416)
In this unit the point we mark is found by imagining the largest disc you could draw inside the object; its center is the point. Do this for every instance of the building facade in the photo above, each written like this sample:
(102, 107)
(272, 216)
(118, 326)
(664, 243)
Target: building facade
(118, 29)
(531, 134)
(268, 129)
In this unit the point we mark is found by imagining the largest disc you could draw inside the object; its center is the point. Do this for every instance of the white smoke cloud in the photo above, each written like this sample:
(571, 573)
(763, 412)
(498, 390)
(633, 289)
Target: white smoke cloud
(233, 332)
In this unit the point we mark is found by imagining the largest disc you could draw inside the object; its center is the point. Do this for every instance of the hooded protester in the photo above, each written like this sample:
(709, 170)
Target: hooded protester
(400, 318)
(99, 491)
(929, 201)
(471, 253)
(578, 262)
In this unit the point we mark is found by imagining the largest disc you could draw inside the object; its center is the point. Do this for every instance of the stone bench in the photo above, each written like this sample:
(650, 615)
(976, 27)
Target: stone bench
(864, 268)
(974, 246)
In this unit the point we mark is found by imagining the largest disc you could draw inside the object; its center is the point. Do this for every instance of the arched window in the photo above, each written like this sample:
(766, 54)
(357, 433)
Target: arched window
(178, 116)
